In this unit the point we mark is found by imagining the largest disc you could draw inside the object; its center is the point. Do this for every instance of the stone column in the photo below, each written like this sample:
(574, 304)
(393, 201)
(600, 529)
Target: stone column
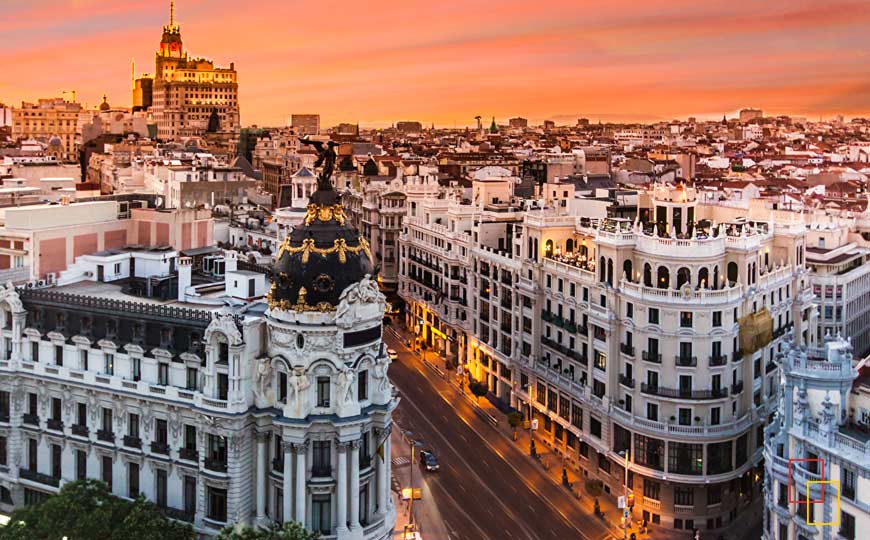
(262, 467)
(300, 449)
(383, 489)
(388, 466)
(354, 485)
(287, 488)
(341, 486)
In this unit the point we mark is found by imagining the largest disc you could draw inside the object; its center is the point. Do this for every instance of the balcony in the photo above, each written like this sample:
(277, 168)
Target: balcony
(653, 357)
(190, 454)
(771, 365)
(39, 477)
(106, 436)
(717, 360)
(278, 464)
(682, 393)
(175, 513)
(54, 424)
(4, 417)
(583, 330)
(625, 381)
(737, 355)
(217, 465)
(159, 448)
(736, 388)
(685, 361)
(30, 419)
(81, 431)
(626, 349)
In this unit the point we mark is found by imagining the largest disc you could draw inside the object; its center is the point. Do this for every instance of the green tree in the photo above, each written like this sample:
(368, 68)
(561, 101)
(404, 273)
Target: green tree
(478, 388)
(515, 418)
(291, 530)
(87, 509)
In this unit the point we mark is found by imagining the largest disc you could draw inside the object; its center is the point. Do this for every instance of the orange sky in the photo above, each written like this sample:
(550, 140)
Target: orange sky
(377, 61)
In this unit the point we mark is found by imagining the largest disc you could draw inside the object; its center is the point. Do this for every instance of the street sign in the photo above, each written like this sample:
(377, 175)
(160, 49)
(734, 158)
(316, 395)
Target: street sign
(620, 502)
(534, 425)
(625, 515)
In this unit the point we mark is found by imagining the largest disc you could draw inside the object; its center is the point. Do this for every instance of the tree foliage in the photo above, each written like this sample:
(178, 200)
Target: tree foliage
(291, 530)
(478, 388)
(87, 509)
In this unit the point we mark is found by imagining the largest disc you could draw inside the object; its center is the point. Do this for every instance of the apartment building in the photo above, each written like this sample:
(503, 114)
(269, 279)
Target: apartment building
(652, 337)
(817, 449)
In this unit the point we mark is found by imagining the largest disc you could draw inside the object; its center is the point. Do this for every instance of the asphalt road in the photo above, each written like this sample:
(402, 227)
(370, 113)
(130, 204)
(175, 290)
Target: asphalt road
(487, 489)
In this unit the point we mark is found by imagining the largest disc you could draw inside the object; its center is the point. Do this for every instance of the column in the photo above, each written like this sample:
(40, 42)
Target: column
(383, 490)
(288, 483)
(262, 438)
(341, 487)
(354, 485)
(300, 449)
(388, 466)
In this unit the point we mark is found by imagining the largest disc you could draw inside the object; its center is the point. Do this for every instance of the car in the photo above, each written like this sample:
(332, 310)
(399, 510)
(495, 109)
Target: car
(392, 354)
(428, 461)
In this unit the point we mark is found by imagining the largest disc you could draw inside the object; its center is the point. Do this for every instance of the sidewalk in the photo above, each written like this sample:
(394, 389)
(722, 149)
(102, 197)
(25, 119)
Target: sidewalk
(429, 522)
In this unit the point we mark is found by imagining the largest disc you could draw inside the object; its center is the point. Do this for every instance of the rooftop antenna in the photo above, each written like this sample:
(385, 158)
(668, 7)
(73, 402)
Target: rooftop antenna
(171, 13)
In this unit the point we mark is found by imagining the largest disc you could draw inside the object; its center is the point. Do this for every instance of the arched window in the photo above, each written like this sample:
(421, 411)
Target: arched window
(602, 269)
(684, 275)
(584, 251)
(610, 272)
(663, 277)
(754, 273)
(626, 269)
(732, 273)
(716, 277)
(647, 275)
(569, 246)
(548, 248)
(703, 278)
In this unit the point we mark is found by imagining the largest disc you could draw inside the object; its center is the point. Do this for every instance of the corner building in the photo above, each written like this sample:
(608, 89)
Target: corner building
(273, 411)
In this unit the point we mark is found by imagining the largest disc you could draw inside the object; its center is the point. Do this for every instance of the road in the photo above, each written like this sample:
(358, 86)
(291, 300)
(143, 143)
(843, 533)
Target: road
(487, 489)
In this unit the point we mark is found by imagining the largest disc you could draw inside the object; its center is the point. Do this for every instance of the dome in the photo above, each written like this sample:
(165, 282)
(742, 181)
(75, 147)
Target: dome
(104, 106)
(319, 259)
(55, 141)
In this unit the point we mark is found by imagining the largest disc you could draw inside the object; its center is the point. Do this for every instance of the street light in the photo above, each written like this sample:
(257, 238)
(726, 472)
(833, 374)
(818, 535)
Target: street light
(625, 522)
(414, 445)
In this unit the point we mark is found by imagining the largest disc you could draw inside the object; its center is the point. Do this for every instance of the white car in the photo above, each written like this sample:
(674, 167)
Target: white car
(392, 354)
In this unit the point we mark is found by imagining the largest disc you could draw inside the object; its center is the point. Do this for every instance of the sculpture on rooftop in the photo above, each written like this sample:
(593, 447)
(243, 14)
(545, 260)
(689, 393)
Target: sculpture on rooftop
(326, 157)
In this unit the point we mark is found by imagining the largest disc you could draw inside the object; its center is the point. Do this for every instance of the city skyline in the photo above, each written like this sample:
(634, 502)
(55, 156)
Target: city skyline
(447, 63)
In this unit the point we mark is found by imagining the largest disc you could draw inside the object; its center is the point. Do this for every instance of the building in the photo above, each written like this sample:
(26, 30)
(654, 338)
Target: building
(143, 93)
(747, 115)
(53, 120)
(409, 127)
(518, 123)
(305, 124)
(186, 90)
(816, 451)
(654, 337)
(277, 409)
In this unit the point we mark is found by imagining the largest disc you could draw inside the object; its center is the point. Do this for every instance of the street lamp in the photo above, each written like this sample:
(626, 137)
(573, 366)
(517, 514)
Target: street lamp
(414, 445)
(625, 513)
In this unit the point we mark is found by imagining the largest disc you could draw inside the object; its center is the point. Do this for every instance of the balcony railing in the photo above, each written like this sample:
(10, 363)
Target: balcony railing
(217, 465)
(771, 365)
(653, 357)
(190, 454)
(626, 349)
(737, 355)
(736, 388)
(175, 513)
(624, 380)
(132, 442)
(30, 419)
(39, 477)
(105, 435)
(54, 424)
(159, 448)
(583, 330)
(686, 361)
(717, 360)
(81, 431)
(682, 393)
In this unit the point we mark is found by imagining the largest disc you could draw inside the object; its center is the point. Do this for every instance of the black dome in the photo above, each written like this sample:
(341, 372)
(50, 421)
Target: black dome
(323, 255)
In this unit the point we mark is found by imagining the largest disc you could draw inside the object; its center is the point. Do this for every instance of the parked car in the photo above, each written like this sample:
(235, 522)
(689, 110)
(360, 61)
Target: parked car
(428, 461)
(392, 354)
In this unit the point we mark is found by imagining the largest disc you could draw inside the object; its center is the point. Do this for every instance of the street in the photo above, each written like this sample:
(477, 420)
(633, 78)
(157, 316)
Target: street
(487, 487)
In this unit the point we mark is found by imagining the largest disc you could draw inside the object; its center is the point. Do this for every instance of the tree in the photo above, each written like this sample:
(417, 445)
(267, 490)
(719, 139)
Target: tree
(291, 530)
(515, 418)
(478, 388)
(87, 509)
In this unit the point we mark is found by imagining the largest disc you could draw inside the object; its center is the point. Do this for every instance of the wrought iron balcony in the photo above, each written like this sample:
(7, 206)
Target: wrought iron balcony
(686, 361)
(625, 348)
(653, 357)
(682, 393)
(159, 448)
(81, 431)
(624, 380)
(30, 419)
(737, 387)
(106, 436)
(190, 454)
(39, 477)
(717, 360)
(217, 465)
(54, 424)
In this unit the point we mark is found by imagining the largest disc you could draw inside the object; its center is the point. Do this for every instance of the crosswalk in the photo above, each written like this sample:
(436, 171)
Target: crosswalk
(401, 460)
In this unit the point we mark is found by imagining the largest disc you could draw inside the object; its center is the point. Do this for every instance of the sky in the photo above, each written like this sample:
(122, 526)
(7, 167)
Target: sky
(377, 62)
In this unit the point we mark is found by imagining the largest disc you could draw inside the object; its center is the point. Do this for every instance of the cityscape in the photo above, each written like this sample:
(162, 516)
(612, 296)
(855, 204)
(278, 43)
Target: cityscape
(370, 273)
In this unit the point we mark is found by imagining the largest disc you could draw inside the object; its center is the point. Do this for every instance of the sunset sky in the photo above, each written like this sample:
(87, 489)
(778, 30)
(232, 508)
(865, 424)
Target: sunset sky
(445, 61)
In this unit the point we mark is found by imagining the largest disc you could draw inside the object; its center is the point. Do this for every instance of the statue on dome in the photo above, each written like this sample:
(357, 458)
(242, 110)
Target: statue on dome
(326, 157)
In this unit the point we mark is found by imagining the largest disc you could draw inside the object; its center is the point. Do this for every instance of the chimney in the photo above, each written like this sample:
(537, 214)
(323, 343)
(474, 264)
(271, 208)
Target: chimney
(185, 269)
(231, 261)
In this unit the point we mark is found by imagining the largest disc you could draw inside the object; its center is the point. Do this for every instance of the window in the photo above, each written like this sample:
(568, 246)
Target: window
(189, 437)
(649, 452)
(107, 420)
(3, 451)
(106, 470)
(629, 310)
(321, 519)
(685, 319)
(223, 386)
(137, 369)
(323, 391)
(81, 465)
(133, 425)
(58, 355)
(163, 373)
(31, 454)
(684, 416)
(322, 458)
(4, 406)
(715, 416)
(34, 351)
(684, 496)
(652, 411)
(714, 495)
(653, 314)
(55, 409)
(848, 481)
(160, 485)
(132, 480)
(595, 427)
(717, 318)
(190, 494)
(362, 392)
(847, 525)
(109, 365)
(651, 489)
(192, 375)
(685, 458)
(576, 416)
(83, 359)
(217, 504)
(282, 386)
(600, 360)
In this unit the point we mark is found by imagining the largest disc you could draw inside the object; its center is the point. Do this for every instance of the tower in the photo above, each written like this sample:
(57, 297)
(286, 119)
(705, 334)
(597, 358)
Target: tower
(171, 45)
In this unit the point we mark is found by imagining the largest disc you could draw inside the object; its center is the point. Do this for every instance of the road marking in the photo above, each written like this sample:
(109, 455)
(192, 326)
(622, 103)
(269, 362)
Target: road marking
(401, 460)
(462, 488)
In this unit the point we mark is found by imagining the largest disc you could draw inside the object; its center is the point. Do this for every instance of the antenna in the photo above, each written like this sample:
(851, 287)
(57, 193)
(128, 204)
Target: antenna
(171, 13)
